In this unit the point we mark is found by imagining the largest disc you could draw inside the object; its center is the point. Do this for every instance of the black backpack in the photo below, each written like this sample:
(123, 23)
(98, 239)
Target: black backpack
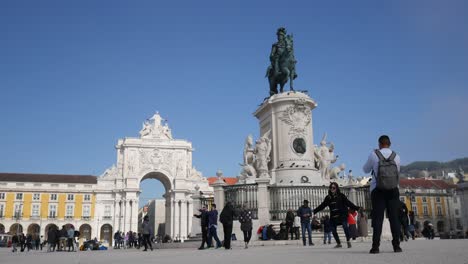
(388, 176)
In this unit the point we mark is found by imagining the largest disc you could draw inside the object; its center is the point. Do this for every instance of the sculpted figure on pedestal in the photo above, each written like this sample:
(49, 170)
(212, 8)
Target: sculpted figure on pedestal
(262, 155)
(325, 156)
(283, 63)
(335, 171)
(248, 169)
(146, 130)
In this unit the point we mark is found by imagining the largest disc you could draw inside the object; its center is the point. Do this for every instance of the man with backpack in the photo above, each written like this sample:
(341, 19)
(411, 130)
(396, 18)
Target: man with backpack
(385, 195)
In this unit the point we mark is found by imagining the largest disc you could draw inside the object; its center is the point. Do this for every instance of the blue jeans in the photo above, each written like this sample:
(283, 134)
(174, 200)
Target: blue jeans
(213, 233)
(327, 235)
(345, 228)
(307, 226)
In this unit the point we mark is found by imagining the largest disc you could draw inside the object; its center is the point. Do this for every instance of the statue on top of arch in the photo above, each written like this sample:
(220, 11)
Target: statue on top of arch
(154, 128)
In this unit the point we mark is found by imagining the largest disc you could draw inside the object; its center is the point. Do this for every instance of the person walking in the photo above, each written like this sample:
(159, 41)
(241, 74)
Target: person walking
(362, 225)
(305, 213)
(204, 226)
(338, 204)
(245, 219)
(14, 242)
(385, 195)
(51, 239)
(290, 223)
(327, 231)
(213, 226)
(146, 230)
(226, 218)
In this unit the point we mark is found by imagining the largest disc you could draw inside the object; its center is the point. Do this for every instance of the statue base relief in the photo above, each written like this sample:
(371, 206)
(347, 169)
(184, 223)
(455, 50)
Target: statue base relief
(287, 117)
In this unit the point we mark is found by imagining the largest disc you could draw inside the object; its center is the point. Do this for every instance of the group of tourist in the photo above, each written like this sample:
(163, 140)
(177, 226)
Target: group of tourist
(64, 239)
(128, 240)
(28, 242)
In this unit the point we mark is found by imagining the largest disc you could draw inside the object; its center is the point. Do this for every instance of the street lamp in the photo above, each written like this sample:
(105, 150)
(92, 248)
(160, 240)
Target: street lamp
(18, 212)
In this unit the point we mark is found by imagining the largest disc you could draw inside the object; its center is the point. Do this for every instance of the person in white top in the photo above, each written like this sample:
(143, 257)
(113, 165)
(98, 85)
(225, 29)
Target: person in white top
(297, 225)
(384, 198)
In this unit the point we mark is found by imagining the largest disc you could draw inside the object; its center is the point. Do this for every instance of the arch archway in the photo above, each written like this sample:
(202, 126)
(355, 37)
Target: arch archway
(156, 203)
(85, 231)
(34, 230)
(16, 229)
(50, 227)
(106, 233)
(440, 226)
(2, 229)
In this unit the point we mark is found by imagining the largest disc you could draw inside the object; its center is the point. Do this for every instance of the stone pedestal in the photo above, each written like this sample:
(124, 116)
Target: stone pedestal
(263, 200)
(288, 119)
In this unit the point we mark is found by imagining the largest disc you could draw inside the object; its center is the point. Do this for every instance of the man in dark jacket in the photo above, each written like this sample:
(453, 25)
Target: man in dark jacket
(51, 239)
(204, 226)
(338, 204)
(213, 226)
(226, 218)
(404, 221)
(304, 212)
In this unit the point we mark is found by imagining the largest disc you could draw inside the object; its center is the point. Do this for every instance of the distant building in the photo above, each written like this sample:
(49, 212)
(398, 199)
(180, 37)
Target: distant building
(462, 191)
(433, 200)
(156, 211)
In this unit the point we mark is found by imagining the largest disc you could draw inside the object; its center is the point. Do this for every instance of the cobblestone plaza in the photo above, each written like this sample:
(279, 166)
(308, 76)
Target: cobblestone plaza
(419, 251)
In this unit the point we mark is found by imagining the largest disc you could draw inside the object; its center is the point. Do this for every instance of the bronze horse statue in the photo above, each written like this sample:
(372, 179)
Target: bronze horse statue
(286, 69)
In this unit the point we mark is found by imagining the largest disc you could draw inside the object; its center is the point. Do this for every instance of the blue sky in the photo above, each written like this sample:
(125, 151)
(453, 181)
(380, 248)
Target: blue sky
(77, 76)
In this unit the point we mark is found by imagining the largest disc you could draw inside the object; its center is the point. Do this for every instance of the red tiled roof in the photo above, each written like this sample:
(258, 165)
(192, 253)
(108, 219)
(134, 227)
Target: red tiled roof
(55, 178)
(425, 183)
(228, 181)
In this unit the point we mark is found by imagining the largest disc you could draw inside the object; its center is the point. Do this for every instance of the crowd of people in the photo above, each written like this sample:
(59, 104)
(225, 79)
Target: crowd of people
(64, 239)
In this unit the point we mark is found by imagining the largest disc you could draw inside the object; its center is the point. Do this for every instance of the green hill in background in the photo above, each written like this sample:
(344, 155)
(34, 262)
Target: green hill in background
(434, 168)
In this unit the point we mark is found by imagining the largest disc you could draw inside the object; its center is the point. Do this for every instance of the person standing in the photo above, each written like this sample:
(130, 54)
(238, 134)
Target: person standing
(245, 219)
(213, 226)
(385, 195)
(352, 222)
(63, 235)
(404, 222)
(339, 205)
(297, 225)
(327, 232)
(362, 225)
(204, 226)
(290, 222)
(71, 239)
(304, 212)
(226, 218)
(411, 227)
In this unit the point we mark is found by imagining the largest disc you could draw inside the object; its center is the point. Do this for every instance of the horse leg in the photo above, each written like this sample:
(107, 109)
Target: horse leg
(273, 89)
(291, 78)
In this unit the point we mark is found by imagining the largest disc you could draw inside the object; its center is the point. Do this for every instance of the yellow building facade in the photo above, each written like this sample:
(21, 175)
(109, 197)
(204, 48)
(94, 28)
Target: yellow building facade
(34, 205)
(434, 201)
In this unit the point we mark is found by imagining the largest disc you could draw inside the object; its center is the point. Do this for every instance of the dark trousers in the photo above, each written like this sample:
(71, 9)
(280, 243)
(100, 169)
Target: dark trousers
(204, 237)
(333, 227)
(385, 200)
(247, 235)
(147, 241)
(71, 244)
(227, 235)
(213, 233)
